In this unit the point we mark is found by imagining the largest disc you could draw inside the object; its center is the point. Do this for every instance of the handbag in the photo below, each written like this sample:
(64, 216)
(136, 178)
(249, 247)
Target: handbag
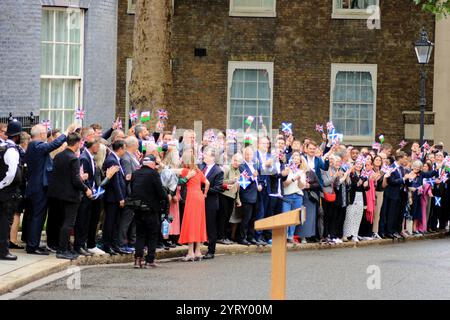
(313, 197)
(329, 197)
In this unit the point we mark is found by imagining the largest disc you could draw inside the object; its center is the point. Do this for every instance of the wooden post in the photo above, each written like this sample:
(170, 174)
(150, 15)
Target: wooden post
(278, 224)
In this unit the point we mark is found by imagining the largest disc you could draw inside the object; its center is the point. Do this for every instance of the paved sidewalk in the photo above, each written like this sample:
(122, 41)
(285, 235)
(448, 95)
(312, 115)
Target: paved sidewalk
(29, 268)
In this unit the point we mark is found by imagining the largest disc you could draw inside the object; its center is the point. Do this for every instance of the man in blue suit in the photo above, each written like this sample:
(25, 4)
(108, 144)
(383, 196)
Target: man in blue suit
(115, 193)
(315, 163)
(249, 198)
(39, 164)
(392, 210)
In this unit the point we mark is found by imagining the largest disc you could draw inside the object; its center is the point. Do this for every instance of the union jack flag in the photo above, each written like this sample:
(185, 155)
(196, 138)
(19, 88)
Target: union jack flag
(376, 146)
(330, 126)
(79, 114)
(426, 146)
(133, 115)
(403, 144)
(163, 114)
(46, 124)
(245, 175)
(231, 134)
(319, 128)
(119, 124)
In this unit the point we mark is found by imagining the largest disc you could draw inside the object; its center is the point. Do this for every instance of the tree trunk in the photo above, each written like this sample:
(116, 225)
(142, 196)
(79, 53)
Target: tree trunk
(151, 81)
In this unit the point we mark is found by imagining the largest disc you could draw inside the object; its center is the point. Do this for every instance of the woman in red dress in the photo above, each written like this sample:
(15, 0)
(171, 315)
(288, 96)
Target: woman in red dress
(193, 228)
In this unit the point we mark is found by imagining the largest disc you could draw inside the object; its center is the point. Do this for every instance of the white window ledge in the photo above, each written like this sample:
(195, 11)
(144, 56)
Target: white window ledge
(255, 14)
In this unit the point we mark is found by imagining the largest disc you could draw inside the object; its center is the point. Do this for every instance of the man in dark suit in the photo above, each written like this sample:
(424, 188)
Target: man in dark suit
(146, 186)
(115, 193)
(39, 164)
(66, 186)
(215, 177)
(316, 163)
(392, 209)
(88, 166)
(249, 198)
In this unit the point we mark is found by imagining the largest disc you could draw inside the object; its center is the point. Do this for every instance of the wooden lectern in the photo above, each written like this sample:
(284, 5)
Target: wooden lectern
(278, 224)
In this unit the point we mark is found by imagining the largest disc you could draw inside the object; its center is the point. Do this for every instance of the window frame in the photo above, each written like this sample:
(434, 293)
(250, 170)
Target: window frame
(259, 65)
(131, 9)
(356, 14)
(252, 11)
(79, 91)
(373, 69)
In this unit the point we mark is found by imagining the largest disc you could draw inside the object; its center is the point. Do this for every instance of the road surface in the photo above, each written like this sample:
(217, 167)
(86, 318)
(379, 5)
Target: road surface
(413, 270)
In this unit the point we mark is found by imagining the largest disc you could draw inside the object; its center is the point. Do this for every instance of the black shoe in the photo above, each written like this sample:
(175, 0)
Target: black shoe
(39, 252)
(13, 245)
(228, 242)
(9, 257)
(83, 252)
(208, 256)
(222, 241)
(110, 252)
(244, 242)
(65, 255)
(119, 251)
(262, 243)
(254, 242)
(397, 235)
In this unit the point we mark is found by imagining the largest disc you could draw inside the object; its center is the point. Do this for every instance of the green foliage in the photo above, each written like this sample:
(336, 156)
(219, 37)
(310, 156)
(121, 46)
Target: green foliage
(437, 7)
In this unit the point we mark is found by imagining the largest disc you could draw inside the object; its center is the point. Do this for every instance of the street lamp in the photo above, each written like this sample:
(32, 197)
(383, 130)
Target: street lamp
(423, 48)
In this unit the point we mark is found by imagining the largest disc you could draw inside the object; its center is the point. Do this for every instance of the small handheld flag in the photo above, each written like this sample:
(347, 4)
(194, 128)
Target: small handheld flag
(249, 120)
(430, 181)
(426, 146)
(231, 134)
(79, 114)
(319, 128)
(163, 114)
(243, 181)
(437, 201)
(403, 144)
(286, 127)
(330, 126)
(376, 146)
(133, 115)
(381, 138)
(46, 124)
(261, 122)
(145, 116)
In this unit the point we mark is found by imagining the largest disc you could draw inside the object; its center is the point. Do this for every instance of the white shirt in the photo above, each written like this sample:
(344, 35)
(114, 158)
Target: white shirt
(311, 162)
(293, 187)
(208, 169)
(92, 162)
(118, 160)
(11, 159)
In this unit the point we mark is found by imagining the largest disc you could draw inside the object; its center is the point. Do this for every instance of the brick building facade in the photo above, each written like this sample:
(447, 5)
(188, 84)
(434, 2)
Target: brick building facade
(56, 56)
(311, 55)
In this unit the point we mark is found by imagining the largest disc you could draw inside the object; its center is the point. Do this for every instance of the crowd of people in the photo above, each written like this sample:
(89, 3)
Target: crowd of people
(122, 192)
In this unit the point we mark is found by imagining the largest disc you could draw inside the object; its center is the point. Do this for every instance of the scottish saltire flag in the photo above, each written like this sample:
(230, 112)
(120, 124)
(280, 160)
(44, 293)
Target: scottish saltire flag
(145, 116)
(244, 180)
(286, 127)
(79, 114)
(430, 181)
(437, 201)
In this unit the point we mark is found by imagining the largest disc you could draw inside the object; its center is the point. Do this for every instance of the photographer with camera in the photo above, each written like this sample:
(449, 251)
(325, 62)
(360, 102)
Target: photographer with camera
(146, 197)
